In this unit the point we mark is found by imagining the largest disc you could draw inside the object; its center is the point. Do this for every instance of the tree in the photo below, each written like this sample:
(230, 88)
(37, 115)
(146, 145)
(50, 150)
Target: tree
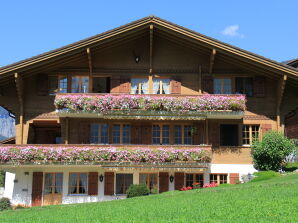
(270, 153)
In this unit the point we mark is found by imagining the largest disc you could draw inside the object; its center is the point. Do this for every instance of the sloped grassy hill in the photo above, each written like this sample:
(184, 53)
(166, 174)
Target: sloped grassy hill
(270, 200)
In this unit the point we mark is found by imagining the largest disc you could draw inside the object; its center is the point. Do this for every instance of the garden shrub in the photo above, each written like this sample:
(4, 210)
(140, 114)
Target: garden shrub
(4, 204)
(136, 190)
(270, 153)
(2, 178)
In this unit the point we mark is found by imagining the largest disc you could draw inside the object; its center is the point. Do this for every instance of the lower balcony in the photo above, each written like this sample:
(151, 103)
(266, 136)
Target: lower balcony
(132, 156)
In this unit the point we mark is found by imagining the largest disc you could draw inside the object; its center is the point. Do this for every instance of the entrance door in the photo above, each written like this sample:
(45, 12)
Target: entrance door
(53, 188)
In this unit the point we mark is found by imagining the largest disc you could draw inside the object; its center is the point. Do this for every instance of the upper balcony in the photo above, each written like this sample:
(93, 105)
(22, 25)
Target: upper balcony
(151, 107)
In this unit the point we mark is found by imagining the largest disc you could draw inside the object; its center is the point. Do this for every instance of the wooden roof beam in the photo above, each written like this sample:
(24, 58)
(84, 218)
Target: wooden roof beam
(212, 58)
(89, 60)
(280, 93)
(20, 93)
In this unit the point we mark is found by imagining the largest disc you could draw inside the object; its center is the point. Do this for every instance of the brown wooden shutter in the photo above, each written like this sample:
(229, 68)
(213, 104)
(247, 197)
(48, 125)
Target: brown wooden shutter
(84, 132)
(115, 84)
(234, 178)
(198, 135)
(179, 180)
(146, 134)
(214, 134)
(176, 86)
(109, 183)
(163, 182)
(265, 128)
(207, 84)
(136, 136)
(259, 86)
(42, 85)
(124, 85)
(93, 183)
(37, 188)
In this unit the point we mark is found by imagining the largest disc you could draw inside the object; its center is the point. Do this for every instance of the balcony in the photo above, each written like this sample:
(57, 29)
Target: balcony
(151, 107)
(107, 156)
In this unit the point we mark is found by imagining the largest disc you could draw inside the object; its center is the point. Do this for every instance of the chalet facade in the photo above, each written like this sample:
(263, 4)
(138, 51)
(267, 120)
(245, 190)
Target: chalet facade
(149, 102)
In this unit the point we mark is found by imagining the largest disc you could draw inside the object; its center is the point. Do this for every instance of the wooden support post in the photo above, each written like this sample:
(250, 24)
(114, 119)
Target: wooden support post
(90, 68)
(206, 132)
(20, 94)
(280, 92)
(66, 140)
(151, 49)
(212, 57)
(200, 79)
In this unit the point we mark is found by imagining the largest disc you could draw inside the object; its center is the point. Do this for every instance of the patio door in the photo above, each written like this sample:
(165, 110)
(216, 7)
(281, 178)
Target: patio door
(52, 188)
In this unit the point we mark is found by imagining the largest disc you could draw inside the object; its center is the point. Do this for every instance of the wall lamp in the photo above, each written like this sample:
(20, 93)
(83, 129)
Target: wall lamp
(171, 178)
(137, 59)
(101, 178)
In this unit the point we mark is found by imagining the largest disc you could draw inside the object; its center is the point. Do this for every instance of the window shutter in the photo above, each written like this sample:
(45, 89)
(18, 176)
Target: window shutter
(234, 178)
(179, 180)
(176, 86)
(198, 135)
(93, 183)
(207, 84)
(42, 86)
(37, 188)
(163, 182)
(136, 137)
(84, 132)
(124, 85)
(109, 183)
(146, 134)
(259, 86)
(214, 134)
(115, 84)
(265, 128)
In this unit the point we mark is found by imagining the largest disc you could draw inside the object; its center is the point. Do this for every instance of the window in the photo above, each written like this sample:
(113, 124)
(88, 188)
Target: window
(161, 134)
(219, 178)
(123, 181)
(194, 178)
(139, 86)
(121, 134)
(149, 179)
(99, 134)
(229, 135)
(244, 85)
(222, 86)
(62, 84)
(79, 84)
(53, 85)
(78, 183)
(53, 183)
(161, 86)
(182, 134)
(249, 133)
(100, 85)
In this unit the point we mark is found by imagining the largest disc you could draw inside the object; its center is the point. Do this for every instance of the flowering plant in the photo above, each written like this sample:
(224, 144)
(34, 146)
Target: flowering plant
(186, 188)
(105, 103)
(210, 185)
(36, 154)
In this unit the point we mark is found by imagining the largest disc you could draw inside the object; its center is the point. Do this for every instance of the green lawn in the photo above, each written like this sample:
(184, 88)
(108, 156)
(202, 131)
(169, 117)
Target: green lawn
(272, 200)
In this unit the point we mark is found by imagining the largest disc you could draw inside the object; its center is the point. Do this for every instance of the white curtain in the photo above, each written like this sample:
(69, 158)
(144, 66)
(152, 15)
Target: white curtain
(166, 86)
(134, 85)
(144, 83)
(155, 86)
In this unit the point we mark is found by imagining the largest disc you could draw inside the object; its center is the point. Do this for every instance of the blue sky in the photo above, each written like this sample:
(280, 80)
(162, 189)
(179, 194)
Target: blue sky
(265, 27)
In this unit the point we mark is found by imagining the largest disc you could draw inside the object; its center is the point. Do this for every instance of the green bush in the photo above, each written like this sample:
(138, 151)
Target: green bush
(136, 190)
(4, 204)
(270, 153)
(2, 178)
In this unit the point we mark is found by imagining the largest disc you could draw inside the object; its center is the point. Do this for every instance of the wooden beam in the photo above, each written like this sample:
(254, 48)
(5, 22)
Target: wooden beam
(280, 93)
(212, 57)
(20, 95)
(66, 140)
(151, 49)
(200, 79)
(89, 61)
(206, 132)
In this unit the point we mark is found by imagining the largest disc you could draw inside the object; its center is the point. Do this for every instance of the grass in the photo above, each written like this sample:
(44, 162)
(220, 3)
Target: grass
(291, 167)
(273, 199)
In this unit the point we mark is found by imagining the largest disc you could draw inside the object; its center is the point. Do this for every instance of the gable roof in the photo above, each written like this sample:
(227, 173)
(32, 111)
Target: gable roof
(292, 63)
(85, 43)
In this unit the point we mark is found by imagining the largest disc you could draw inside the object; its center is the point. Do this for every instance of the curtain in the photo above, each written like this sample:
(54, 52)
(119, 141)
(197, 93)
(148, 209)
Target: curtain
(73, 183)
(144, 83)
(83, 183)
(166, 86)
(58, 183)
(156, 86)
(134, 85)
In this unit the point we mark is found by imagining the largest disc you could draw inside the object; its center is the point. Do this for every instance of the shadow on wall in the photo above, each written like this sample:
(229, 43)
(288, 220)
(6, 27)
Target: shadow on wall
(7, 124)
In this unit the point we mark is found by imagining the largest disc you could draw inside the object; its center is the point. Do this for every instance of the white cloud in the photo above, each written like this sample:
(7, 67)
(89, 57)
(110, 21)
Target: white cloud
(232, 31)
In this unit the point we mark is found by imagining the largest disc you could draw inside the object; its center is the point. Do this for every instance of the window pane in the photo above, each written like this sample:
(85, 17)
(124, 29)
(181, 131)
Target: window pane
(189, 180)
(104, 133)
(73, 183)
(223, 178)
(187, 135)
(217, 86)
(178, 134)
(63, 84)
(244, 85)
(156, 86)
(123, 181)
(58, 183)
(165, 134)
(94, 134)
(139, 86)
(85, 84)
(75, 88)
(53, 85)
(227, 86)
(245, 135)
(79, 84)
(83, 183)
(48, 183)
(126, 134)
(165, 86)
(156, 134)
(116, 134)
(213, 178)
